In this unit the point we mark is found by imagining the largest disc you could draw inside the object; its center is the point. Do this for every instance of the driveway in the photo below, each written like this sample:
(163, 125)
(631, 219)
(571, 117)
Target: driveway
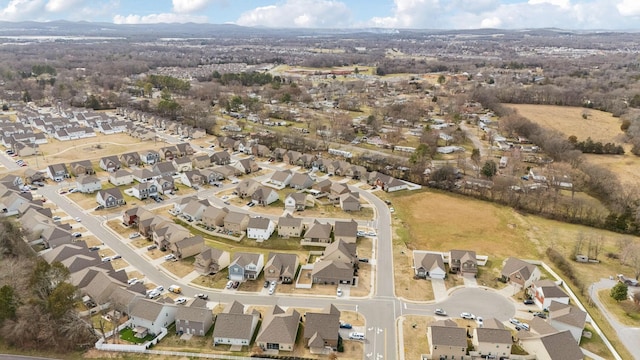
(630, 336)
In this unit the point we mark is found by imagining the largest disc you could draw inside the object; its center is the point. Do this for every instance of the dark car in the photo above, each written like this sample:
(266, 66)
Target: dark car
(266, 284)
(94, 248)
(152, 247)
(235, 284)
(541, 315)
(529, 302)
(202, 296)
(344, 325)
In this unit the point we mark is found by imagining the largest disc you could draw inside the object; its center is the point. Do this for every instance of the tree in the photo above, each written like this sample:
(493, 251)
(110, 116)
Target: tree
(8, 303)
(420, 155)
(489, 169)
(619, 292)
(441, 79)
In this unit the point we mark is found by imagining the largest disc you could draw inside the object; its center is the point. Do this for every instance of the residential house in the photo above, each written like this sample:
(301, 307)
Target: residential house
(201, 161)
(110, 198)
(296, 201)
(264, 196)
(350, 201)
(306, 160)
(235, 222)
(192, 178)
(130, 159)
(120, 177)
(247, 187)
(247, 165)
(144, 190)
(332, 272)
(291, 157)
(278, 153)
(346, 231)
(210, 261)
(165, 233)
(428, 265)
(235, 327)
(150, 317)
(395, 185)
(281, 267)
(321, 330)
(149, 157)
(245, 266)
(212, 175)
(281, 178)
(88, 184)
(324, 186)
(492, 342)
(58, 172)
(110, 163)
(214, 217)
(144, 175)
(194, 319)
(545, 291)
(194, 209)
(301, 181)
(182, 164)
(31, 176)
(463, 262)
(559, 345)
(164, 168)
(184, 149)
(187, 247)
(279, 330)
(336, 190)
(166, 184)
(260, 229)
(168, 153)
(260, 151)
(447, 340)
(181, 203)
(289, 226)
(318, 234)
(341, 251)
(566, 317)
(221, 158)
(519, 273)
(82, 167)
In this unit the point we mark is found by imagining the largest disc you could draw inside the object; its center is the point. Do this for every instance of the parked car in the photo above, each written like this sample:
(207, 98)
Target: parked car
(339, 292)
(76, 235)
(116, 257)
(356, 336)
(94, 248)
(169, 257)
(202, 296)
(78, 219)
(514, 321)
(152, 247)
(229, 284)
(181, 300)
(468, 316)
(236, 284)
(363, 260)
(266, 284)
(345, 325)
(522, 326)
(440, 312)
(541, 315)
(272, 290)
(56, 218)
(134, 235)
(159, 288)
(106, 259)
(529, 302)
(480, 321)
(132, 281)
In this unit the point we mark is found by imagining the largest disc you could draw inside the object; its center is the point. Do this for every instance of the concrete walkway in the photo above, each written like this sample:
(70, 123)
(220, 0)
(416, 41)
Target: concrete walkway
(470, 282)
(439, 290)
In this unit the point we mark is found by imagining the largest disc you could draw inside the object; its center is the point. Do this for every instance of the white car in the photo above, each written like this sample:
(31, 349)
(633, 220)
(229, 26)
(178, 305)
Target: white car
(134, 235)
(468, 316)
(339, 292)
(169, 257)
(229, 284)
(78, 219)
(392, 210)
(159, 289)
(132, 281)
(514, 321)
(480, 321)
(272, 289)
(181, 300)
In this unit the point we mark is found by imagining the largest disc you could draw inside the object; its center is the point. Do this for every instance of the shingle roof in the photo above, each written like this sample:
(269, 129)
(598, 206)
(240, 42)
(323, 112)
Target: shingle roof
(567, 314)
(324, 324)
(513, 265)
(345, 228)
(289, 220)
(280, 327)
(494, 336)
(448, 336)
(258, 223)
(318, 230)
(562, 346)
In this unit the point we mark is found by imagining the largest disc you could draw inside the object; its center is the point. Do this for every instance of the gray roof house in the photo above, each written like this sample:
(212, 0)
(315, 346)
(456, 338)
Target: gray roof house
(428, 265)
(447, 340)
(318, 234)
(235, 327)
(345, 231)
(194, 319)
(279, 330)
(245, 266)
(463, 262)
(281, 267)
(520, 273)
(149, 317)
(110, 198)
(211, 260)
(289, 226)
(560, 345)
(321, 329)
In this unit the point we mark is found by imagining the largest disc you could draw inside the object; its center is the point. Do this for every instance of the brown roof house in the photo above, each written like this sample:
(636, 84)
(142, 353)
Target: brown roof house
(213, 216)
(428, 265)
(247, 187)
(245, 266)
(519, 273)
(301, 181)
(297, 201)
(289, 226)
(279, 330)
(110, 163)
(260, 229)
(463, 262)
(492, 341)
(560, 345)
(281, 267)
(447, 340)
(82, 167)
(318, 234)
(194, 319)
(236, 222)
(264, 196)
(210, 261)
(350, 201)
(235, 327)
(321, 330)
(110, 198)
(281, 178)
(545, 291)
(187, 247)
(345, 231)
(567, 317)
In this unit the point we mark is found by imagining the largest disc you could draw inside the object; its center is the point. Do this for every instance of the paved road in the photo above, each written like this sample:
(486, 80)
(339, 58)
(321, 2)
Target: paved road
(629, 336)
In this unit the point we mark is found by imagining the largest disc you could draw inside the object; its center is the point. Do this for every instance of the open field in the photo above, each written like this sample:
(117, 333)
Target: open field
(626, 167)
(430, 220)
(598, 125)
(414, 329)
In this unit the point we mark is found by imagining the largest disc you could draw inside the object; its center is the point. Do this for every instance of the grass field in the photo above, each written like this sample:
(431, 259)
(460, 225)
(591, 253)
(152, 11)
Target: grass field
(429, 220)
(626, 167)
(625, 311)
(414, 330)
(599, 125)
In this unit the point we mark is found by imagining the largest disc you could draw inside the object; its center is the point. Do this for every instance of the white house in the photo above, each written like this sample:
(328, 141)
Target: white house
(150, 317)
(260, 228)
(88, 184)
(120, 177)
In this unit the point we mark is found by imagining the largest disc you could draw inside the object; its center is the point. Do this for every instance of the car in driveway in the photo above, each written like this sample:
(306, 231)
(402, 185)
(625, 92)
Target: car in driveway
(266, 284)
(345, 325)
(522, 326)
(56, 218)
(132, 281)
(229, 284)
(272, 290)
(134, 235)
(94, 248)
(202, 296)
(78, 219)
(339, 292)
(76, 235)
(514, 321)
(529, 302)
(440, 312)
(152, 247)
(468, 316)
(480, 321)
(170, 257)
(181, 300)
(235, 284)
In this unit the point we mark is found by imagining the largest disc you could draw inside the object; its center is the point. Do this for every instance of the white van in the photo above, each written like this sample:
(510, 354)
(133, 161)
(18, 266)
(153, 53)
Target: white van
(356, 336)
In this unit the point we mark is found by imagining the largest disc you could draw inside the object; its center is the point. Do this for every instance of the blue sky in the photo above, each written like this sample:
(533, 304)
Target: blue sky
(424, 14)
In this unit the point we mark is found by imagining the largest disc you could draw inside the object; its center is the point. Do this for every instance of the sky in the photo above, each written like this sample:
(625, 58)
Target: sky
(395, 14)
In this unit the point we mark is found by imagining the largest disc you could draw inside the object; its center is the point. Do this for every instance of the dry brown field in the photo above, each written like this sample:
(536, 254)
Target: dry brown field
(599, 125)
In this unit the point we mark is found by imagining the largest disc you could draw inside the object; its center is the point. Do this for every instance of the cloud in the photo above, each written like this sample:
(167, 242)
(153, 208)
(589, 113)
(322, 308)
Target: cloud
(159, 18)
(62, 5)
(565, 4)
(299, 13)
(492, 22)
(189, 6)
(413, 14)
(629, 8)
(17, 10)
